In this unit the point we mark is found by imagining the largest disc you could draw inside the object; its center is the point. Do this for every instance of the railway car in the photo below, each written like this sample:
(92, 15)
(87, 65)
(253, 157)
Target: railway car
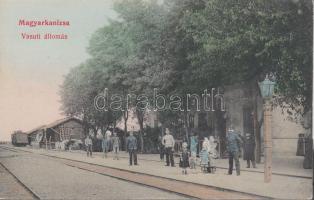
(19, 138)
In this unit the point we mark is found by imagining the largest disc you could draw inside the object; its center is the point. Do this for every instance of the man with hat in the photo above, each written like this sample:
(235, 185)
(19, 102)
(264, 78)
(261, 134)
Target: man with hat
(168, 142)
(234, 143)
(249, 148)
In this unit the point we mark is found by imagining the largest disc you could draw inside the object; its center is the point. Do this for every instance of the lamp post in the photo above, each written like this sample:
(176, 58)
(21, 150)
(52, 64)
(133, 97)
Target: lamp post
(267, 89)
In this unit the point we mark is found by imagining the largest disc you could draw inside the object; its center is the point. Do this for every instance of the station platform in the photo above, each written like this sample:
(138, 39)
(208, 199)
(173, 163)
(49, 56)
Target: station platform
(289, 179)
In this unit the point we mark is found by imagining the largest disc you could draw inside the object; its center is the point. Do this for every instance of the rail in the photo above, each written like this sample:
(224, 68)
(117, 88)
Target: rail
(192, 190)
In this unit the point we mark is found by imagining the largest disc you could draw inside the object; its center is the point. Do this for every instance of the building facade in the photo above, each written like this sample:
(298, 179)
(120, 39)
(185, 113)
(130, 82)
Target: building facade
(57, 131)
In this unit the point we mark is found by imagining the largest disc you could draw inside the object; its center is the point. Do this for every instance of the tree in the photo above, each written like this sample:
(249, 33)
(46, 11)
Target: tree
(78, 91)
(129, 50)
(240, 41)
(226, 42)
(182, 46)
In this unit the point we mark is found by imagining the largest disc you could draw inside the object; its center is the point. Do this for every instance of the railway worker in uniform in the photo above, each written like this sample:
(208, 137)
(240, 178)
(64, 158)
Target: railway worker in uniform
(131, 145)
(234, 143)
(168, 142)
(115, 145)
(105, 144)
(89, 146)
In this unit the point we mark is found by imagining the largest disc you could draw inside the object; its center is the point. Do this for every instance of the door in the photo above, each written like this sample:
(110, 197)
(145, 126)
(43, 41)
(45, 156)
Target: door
(248, 126)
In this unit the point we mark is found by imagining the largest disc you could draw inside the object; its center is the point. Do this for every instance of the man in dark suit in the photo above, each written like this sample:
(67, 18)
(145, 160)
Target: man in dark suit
(234, 143)
(131, 145)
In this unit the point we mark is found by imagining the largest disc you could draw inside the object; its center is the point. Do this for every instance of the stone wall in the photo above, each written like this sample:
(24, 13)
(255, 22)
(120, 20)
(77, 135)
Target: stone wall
(284, 134)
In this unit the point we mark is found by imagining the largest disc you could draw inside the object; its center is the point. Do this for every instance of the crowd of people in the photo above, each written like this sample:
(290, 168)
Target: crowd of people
(188, 154)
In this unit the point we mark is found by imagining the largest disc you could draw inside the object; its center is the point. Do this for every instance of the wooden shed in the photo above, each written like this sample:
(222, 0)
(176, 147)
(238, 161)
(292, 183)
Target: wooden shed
(57, 131)
(36, 136)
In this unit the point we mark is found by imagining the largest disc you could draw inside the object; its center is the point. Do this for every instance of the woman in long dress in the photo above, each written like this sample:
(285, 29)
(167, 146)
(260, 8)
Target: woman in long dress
(210, 147)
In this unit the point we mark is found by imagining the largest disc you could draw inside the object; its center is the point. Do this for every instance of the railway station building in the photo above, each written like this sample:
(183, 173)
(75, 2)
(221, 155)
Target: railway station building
(243, 111)
(57, 131)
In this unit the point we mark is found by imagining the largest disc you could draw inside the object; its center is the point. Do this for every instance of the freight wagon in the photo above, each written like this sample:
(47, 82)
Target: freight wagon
(19, 138)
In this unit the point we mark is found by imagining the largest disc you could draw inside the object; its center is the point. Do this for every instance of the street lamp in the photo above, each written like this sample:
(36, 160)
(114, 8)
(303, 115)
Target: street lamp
(267, 89)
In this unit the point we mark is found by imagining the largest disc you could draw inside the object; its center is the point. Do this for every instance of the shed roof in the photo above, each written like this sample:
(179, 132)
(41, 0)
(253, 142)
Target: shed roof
(61, 121)
(35, 129)
(53, 124)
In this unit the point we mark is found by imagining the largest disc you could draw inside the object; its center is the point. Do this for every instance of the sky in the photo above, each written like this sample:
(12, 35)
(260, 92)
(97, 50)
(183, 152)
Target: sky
(31, 71)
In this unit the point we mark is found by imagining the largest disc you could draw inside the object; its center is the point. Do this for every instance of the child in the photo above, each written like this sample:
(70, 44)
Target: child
(204, 159)
(184, 158)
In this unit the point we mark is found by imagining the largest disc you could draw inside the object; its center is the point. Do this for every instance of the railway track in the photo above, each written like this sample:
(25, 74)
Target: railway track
(191, 190)
(18, 185)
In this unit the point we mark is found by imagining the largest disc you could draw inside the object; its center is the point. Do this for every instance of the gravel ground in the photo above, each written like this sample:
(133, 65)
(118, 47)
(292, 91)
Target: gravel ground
(50, 179)
(10, 188)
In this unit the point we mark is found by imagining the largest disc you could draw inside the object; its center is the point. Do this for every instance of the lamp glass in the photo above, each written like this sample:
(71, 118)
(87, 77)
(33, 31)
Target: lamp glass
(267, 88)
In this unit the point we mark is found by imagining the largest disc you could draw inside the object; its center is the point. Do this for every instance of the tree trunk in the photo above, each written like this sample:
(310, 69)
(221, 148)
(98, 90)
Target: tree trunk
(85, 125)
(187, 125)
(257, 134)
(114, 124)
(141, 137)
(140, 118)
(256, 124)
(125, 117)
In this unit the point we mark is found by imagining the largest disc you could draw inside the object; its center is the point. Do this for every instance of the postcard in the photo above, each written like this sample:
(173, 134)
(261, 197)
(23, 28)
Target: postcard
(156, 99)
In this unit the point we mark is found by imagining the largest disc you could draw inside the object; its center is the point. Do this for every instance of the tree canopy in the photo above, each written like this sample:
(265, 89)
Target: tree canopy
(181, 46)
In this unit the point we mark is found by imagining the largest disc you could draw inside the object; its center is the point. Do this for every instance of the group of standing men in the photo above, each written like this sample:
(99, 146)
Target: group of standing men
(108, 140)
